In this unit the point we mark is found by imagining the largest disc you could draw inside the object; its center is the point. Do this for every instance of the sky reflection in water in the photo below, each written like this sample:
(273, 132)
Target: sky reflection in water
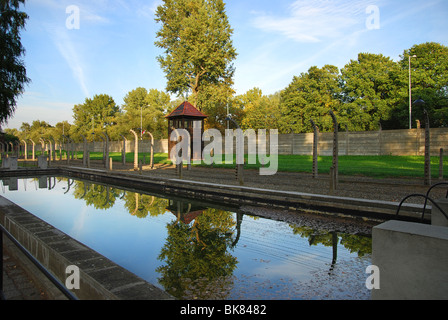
(195, 251)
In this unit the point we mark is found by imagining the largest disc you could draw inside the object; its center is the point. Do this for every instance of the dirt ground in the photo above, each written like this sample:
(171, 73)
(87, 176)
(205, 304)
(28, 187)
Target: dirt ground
(387, 189)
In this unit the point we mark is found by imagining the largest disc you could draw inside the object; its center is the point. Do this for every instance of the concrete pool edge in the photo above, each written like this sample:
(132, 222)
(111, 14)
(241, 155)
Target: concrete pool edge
(100, 278)
(242, 195)
(239, 195)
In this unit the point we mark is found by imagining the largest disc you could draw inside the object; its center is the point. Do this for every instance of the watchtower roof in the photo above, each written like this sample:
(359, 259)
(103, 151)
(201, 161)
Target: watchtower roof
(184, 110)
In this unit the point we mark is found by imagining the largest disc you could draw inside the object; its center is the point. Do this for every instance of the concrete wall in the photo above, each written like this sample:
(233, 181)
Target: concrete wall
(383, 142)
(412, 259)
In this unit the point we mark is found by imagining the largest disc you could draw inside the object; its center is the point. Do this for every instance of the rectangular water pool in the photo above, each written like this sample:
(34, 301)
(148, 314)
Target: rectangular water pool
(199, 251)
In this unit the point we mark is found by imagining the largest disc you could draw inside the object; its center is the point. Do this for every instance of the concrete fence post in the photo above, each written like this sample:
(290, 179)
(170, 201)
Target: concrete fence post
(106, 151)
(135, 150)
(26, 149)
(427, 150)
(335, 150)
(315, 144)
(84, 151)
(33, 154)
(151, 163)
(123, 150)
(52, 148)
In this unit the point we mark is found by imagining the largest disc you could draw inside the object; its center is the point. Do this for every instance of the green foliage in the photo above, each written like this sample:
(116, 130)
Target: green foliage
(94, 116)
(198, 51)
(429, 78)
(310, 96)
(13, 76)
(253, 110)
(143, 110)
(199, 250)
(368, 91)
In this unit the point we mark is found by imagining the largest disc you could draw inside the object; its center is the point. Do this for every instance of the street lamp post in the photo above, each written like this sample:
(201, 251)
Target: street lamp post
(410, 92)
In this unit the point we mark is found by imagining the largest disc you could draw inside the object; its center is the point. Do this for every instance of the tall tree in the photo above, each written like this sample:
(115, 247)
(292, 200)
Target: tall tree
(94, 115)
(310, 96)
(13, 76)
(429, 78)
(144, 110)
(368, 91)
(198, 50)
(259, 111)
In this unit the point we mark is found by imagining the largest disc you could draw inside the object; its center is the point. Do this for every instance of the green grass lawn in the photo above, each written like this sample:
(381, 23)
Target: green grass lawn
(372, 166)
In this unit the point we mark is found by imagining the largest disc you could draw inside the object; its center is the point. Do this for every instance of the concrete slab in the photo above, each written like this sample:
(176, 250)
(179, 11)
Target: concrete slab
(437, 217)
(412, 259)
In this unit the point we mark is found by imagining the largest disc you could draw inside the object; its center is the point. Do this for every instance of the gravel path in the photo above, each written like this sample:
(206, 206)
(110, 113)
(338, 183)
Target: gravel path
(387, 189)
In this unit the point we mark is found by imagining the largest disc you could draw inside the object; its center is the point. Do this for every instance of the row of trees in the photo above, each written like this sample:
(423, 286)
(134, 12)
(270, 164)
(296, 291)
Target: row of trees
(101, 114)
(366, 93)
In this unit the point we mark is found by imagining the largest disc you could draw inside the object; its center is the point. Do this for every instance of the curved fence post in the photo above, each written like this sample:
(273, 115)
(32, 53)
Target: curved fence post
(335, 151)
(315, 144)
(427, 150)
(84, 151)
(152, 150)
(26, 149)
(42, 146)
(135, 150)
(123, 150)
(33, 154)
(106, 151)
(17, 142)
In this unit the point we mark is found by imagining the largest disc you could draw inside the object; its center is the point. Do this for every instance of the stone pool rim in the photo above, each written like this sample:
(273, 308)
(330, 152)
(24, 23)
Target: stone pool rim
(237, 196)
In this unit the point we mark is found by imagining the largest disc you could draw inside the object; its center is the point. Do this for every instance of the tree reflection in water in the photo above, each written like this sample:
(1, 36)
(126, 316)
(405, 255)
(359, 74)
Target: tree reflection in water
(197, 261)
(196, 251)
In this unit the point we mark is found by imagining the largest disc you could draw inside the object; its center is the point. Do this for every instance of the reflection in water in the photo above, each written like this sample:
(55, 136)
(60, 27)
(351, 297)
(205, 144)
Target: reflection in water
(206, 252)
(196, 252)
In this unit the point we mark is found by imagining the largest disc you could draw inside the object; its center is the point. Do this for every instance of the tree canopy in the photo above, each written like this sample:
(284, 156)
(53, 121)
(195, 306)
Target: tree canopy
(429, 71)
(198, 50)
(95, 115)
(13, 76)
(310, 96)
(368, 92)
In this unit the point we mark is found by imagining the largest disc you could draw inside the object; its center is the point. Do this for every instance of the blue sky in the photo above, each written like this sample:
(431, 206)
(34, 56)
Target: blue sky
(112, 49)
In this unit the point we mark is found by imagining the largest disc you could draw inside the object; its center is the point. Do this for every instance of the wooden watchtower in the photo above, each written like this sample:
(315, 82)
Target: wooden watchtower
(187, 117)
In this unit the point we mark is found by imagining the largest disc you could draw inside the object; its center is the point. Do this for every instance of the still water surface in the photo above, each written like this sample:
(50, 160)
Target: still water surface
(194, 251)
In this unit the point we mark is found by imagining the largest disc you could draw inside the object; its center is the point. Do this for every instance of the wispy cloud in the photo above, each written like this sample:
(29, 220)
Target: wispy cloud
(71, 55)
(315, 20)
